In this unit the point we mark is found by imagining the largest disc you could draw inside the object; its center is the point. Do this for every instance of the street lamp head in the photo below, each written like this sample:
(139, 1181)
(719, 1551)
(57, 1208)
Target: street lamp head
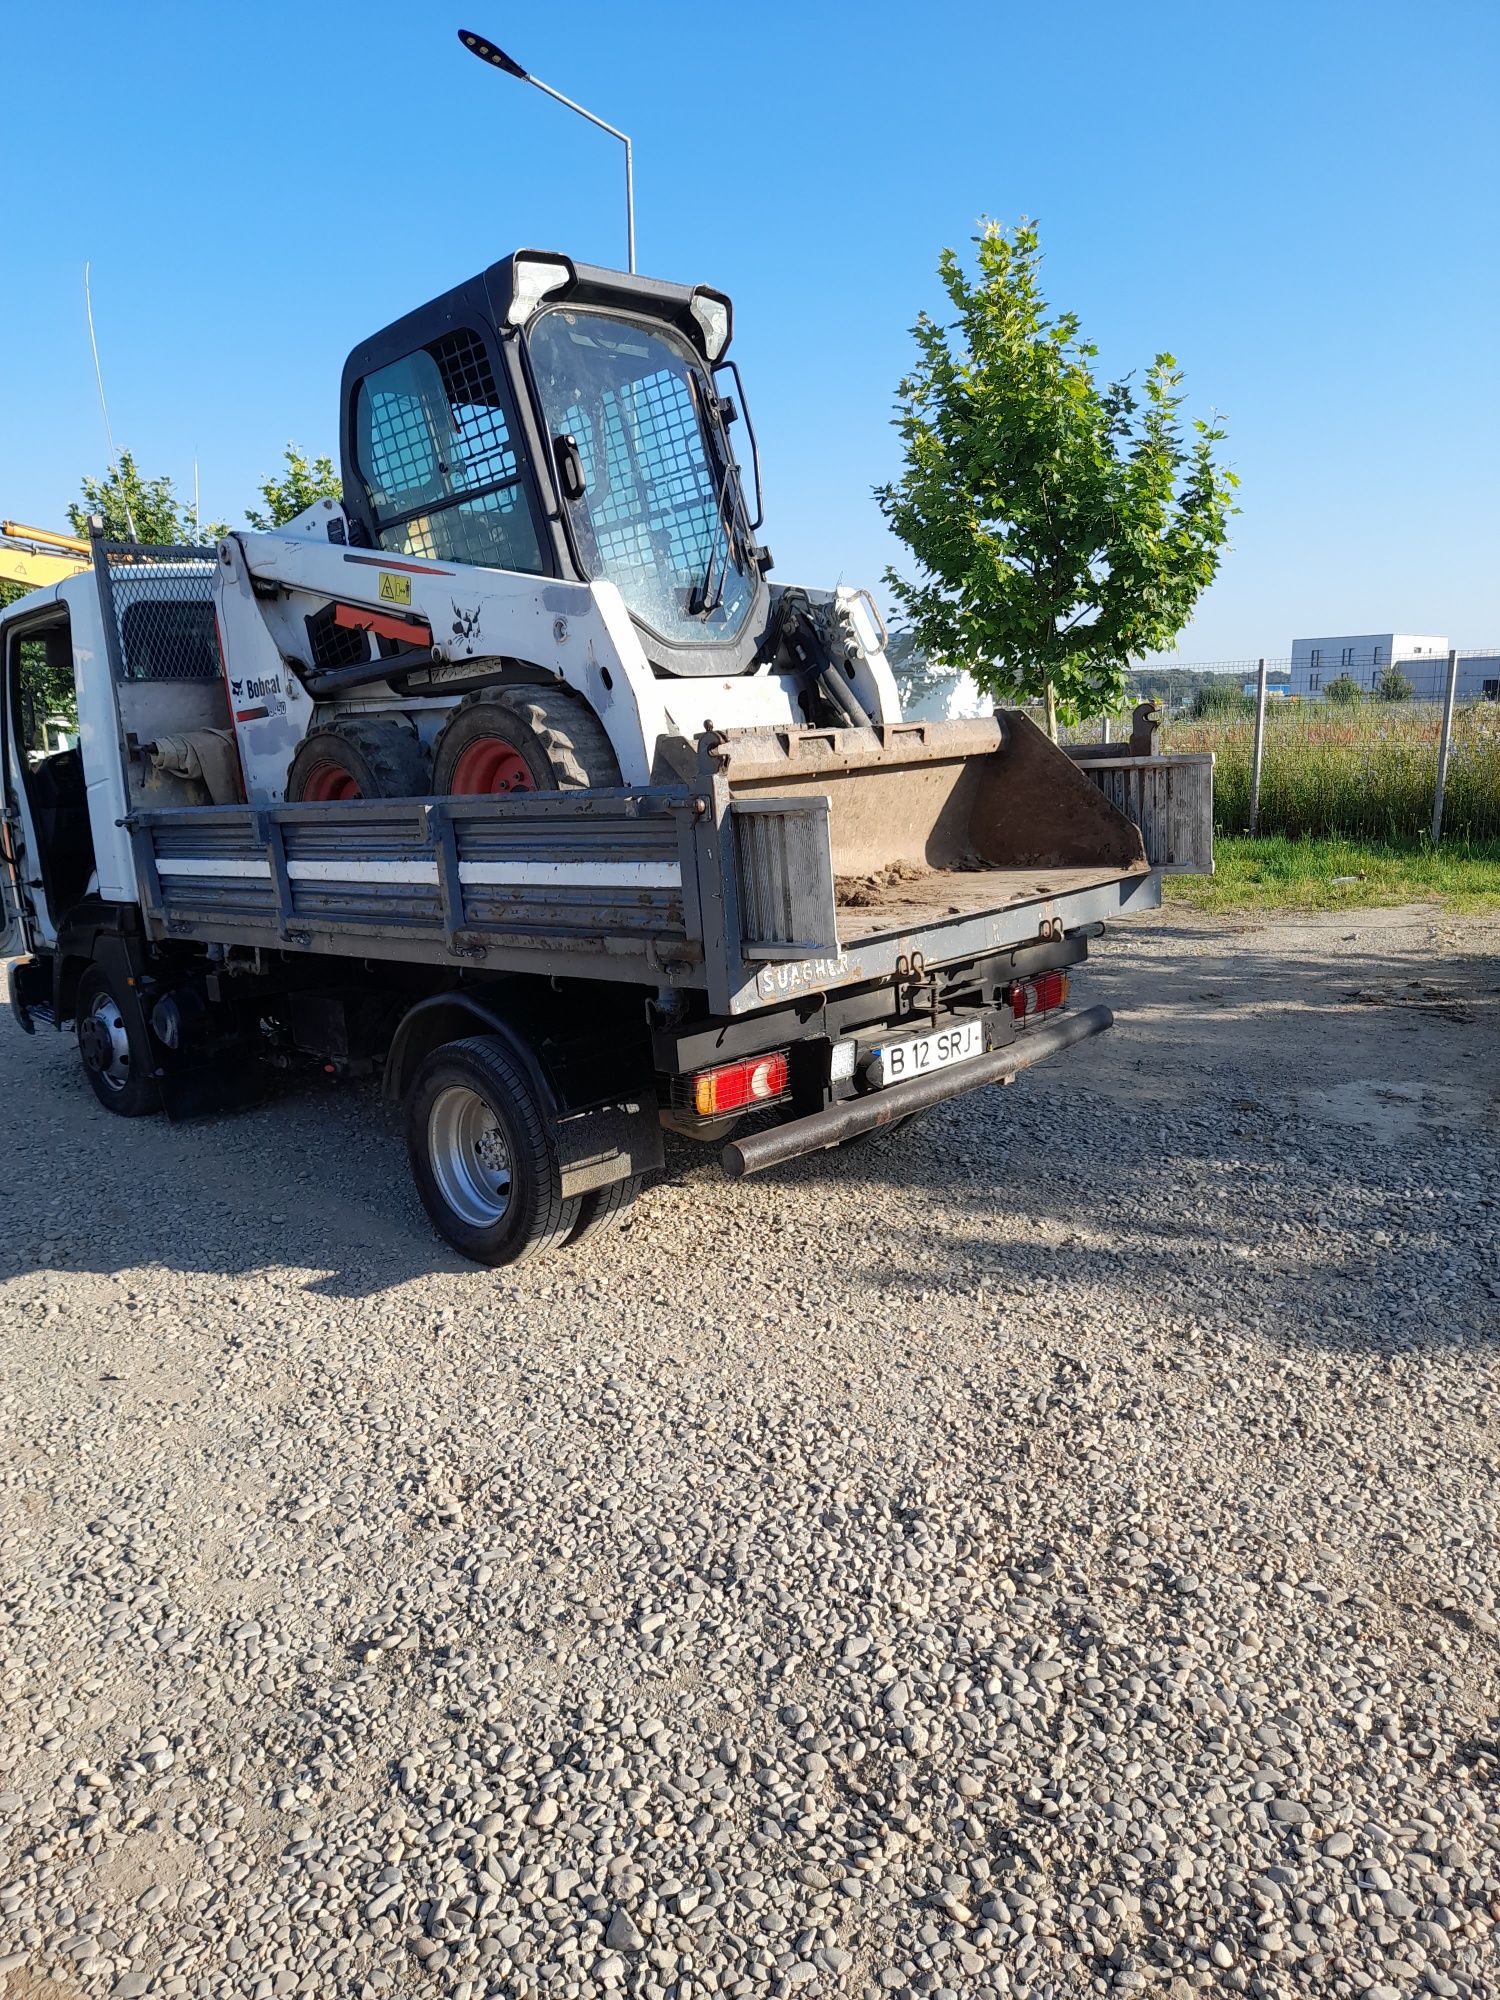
(477, 45)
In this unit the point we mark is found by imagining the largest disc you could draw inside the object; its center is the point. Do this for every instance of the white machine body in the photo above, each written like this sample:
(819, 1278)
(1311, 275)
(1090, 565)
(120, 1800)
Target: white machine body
(267, 586)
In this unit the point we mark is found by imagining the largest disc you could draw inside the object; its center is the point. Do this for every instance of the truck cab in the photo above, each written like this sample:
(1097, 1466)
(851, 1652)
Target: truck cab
(87, 709)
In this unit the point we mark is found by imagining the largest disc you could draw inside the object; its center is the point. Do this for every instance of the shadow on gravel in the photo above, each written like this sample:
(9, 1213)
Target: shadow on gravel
(1286, 1250)
(308, 1179)
(1198, 1084)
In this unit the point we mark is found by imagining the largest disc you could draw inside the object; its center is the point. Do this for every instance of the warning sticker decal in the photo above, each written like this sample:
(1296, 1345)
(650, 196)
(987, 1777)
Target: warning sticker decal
(394, 589)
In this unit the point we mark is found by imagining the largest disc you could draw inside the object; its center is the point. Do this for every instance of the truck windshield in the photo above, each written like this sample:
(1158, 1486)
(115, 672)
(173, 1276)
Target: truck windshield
(660, 513)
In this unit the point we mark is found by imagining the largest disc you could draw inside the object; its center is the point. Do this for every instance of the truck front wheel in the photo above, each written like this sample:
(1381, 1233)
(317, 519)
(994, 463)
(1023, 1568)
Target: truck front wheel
(483, 1154)
(115, 1046)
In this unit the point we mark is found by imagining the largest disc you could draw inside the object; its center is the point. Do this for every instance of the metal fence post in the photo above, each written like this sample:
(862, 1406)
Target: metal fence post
(1105, 737)
(1260, 741)
(1443, 742)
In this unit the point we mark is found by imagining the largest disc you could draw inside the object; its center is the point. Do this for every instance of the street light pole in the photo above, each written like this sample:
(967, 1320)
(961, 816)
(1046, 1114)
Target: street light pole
(486, 51)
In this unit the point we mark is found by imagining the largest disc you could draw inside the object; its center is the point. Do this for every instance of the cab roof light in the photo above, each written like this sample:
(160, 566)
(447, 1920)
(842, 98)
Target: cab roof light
(713, 314)
(534, 278)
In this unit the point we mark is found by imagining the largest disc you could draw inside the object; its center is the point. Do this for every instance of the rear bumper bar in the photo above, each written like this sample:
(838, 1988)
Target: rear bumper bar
(758, 1150)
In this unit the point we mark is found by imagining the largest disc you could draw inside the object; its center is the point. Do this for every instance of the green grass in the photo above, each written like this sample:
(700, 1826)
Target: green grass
(1277, 873)
(1362, 772)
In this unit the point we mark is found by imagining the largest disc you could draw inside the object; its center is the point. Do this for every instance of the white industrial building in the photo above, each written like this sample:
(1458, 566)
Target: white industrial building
(1361, 655)
(1364, 656)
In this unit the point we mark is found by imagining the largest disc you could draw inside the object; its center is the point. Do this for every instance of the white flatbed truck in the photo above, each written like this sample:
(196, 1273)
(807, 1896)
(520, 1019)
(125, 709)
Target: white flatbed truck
(514, 780)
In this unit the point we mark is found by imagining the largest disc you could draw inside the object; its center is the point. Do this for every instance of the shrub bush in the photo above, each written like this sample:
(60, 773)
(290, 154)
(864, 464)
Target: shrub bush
(1211, 700)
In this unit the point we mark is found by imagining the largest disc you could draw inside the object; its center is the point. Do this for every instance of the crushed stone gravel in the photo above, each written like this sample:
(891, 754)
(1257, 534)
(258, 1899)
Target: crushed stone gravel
(1049, 1551)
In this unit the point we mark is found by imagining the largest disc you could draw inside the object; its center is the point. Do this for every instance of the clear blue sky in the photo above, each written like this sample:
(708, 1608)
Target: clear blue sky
(1298, 200)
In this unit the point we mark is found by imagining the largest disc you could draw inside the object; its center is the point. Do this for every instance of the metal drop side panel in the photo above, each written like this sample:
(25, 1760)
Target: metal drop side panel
(1171, 800)
(603, 884)
(968, 841)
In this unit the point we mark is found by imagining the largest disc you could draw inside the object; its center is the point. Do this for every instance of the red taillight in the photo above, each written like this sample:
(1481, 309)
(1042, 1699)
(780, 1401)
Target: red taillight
(758, 1080)
(1039, 995)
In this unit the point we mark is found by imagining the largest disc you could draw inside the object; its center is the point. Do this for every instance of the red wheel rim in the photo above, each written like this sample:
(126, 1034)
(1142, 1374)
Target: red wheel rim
(490, 764)
(325, 784)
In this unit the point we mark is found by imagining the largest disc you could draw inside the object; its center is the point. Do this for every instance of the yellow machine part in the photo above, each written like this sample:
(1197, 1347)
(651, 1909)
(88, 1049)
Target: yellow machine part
(42, 558)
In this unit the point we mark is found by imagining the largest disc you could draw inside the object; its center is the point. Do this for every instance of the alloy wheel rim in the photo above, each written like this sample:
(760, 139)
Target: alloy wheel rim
(470, 1159)
(105, 1043)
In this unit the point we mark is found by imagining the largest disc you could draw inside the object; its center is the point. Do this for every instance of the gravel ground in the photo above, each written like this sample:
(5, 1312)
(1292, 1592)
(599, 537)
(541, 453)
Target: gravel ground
(1049, 1551)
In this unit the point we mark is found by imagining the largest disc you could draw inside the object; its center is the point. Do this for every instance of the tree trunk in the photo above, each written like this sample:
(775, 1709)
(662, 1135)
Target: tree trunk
(1051, 698)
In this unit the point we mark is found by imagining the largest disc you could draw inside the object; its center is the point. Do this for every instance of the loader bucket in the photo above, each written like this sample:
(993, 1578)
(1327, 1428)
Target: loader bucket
(912, 797)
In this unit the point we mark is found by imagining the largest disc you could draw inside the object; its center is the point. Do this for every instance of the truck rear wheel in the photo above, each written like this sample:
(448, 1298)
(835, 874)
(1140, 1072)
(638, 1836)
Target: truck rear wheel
(603, 1208)
(358, 757)
(522, 740)
(484, 1156)
(115, 1046)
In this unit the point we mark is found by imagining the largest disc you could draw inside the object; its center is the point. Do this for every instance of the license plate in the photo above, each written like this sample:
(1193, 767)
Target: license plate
(903, 1062)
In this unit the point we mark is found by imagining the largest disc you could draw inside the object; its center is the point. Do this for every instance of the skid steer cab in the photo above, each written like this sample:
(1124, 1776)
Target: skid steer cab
(547, 571)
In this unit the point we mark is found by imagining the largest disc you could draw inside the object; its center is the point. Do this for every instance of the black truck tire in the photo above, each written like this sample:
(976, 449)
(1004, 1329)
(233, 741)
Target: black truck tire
(358, 757)
(603, 1208)
(484, 1154)
(114, 1045)
(522, 739)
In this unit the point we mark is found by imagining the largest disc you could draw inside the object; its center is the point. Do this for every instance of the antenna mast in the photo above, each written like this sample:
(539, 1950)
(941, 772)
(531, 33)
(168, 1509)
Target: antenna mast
(88, 303)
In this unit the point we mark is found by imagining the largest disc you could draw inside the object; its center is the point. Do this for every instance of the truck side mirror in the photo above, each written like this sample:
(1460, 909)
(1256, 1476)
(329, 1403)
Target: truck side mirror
(569, 467)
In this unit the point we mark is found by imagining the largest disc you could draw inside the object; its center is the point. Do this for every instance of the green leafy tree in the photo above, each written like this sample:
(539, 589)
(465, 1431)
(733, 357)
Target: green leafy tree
(1346, 689)
(304, 481)
(1393, 685)
(139, 509)
(9, 592)
(1060, 528)
(48, 693)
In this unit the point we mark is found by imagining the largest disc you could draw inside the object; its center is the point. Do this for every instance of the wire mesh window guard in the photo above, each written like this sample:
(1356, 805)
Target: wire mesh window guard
(163, 607)
(441, 470)
(650, 517)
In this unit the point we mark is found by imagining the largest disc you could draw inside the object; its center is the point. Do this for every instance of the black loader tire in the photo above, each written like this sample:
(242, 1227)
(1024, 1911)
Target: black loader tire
(533, 1217)
(359, 757)
(603, 1208)
(114, 1045)
(556, 734)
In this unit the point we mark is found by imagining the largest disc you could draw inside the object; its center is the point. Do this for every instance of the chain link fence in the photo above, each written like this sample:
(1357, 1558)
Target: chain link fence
(1406, 761)
(1373, 752)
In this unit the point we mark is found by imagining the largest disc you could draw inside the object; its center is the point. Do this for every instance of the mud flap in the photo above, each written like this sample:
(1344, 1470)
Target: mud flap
(29, 986)
(607, 1143)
